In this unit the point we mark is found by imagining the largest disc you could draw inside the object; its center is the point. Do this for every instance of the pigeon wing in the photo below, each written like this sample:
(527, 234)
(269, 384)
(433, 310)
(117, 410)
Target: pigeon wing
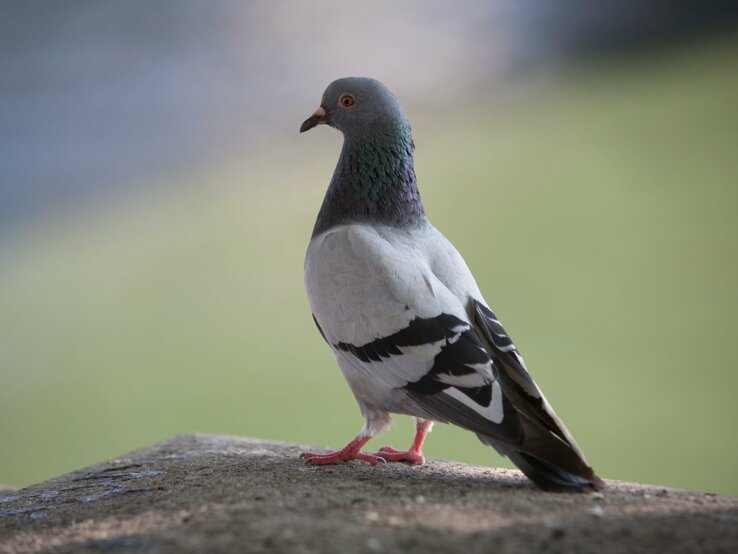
(395, 324)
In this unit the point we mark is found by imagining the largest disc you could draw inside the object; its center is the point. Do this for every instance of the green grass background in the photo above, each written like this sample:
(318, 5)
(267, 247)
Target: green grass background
(599, 215)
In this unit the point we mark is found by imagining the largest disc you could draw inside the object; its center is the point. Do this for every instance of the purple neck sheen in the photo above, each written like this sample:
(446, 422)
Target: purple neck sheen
(374, 182)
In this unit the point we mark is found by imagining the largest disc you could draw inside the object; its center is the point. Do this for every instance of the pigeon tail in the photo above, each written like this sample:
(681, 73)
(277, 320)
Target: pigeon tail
(547, 475)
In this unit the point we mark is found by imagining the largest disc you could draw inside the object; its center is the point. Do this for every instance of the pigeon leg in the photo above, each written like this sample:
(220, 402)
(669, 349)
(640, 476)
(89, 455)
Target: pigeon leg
(414, 454)
(352, 451)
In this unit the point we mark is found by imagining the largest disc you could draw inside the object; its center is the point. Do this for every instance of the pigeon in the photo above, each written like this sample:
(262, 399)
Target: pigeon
(403, 315)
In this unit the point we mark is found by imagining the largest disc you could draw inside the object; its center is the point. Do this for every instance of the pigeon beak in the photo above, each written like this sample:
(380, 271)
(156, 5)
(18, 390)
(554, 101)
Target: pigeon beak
(314, 120)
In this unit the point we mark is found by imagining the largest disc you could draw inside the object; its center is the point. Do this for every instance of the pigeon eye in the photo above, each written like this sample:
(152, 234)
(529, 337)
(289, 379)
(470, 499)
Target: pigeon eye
(346, 100)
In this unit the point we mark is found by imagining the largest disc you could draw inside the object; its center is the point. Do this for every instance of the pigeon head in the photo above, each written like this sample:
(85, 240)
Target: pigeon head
(358, 106)
(374, 180)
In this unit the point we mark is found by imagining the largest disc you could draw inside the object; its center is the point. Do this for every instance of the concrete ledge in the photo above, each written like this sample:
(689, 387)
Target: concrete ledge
(7, 490)
(198, 493)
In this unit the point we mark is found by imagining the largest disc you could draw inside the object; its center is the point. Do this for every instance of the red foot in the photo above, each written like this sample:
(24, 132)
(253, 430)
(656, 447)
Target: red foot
(339, 457)
(352, 451)
(392, 455)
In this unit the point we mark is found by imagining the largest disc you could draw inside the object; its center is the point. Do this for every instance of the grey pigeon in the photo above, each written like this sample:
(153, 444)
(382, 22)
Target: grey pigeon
(403, 314)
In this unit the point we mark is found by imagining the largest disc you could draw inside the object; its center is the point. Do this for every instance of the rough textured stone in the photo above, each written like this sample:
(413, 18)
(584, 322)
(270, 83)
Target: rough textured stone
(198, 493)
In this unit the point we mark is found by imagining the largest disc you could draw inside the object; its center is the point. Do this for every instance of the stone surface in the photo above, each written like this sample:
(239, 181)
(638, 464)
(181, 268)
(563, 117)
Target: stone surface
(198, 493)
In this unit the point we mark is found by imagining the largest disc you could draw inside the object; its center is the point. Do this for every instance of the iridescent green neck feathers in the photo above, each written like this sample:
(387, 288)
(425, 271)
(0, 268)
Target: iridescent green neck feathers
(374, 180)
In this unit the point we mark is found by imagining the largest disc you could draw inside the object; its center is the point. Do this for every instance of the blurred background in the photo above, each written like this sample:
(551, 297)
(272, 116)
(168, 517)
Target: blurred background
(156, 201)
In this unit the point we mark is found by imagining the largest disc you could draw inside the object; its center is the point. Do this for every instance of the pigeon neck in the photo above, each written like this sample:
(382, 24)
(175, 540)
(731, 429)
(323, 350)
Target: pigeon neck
(374, 182)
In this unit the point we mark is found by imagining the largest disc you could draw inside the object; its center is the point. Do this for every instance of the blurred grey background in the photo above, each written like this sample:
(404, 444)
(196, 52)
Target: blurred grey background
(98, 95)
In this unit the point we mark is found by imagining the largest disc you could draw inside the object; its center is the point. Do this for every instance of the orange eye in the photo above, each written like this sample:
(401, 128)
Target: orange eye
(346, 100)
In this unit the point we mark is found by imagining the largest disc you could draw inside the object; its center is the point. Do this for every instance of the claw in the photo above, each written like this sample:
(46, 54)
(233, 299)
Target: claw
(371, 458)
(352, 451)
(393, 455)
(340, 457)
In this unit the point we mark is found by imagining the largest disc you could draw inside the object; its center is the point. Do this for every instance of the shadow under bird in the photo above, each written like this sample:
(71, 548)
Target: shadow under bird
(403, 314)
